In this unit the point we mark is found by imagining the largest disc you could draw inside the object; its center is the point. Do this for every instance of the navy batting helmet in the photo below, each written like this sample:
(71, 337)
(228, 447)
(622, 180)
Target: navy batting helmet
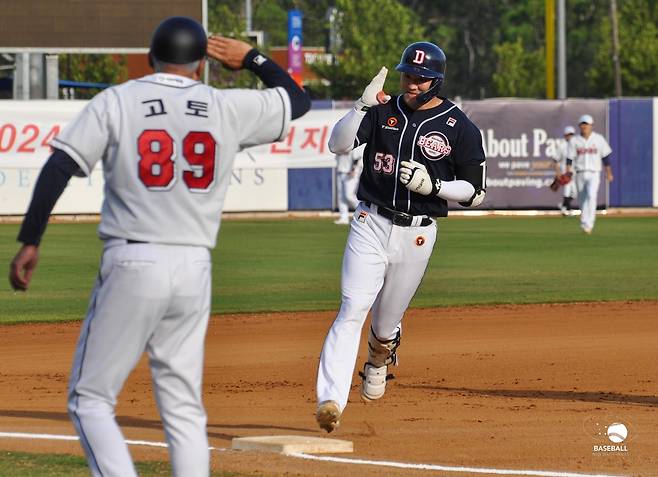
(178, 40)
(426, 60)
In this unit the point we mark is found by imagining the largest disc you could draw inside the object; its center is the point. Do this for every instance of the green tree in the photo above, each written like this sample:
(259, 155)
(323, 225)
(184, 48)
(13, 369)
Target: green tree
(369, 43)
(110, 69)
(638, 38)
(583, 18)
(272, 18)
(226, 19)
(519, 72)
(466, 30)
(477, 36)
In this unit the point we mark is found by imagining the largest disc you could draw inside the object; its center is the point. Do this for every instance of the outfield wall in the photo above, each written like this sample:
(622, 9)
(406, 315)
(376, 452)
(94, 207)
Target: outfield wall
(633, 137)
(519, 137)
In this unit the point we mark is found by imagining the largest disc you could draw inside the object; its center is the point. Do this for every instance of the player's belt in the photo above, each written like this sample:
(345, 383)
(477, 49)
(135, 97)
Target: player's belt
(401, 219)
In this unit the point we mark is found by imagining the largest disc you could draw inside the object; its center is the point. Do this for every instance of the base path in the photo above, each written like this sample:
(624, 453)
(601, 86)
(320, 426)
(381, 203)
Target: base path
(530, 387)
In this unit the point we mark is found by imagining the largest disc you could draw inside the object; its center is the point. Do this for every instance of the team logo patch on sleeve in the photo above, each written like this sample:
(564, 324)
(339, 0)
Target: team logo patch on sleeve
(420, 240)
(434, 145)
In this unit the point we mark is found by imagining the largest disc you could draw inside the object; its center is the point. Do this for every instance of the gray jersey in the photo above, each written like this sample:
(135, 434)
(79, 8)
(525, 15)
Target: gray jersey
(168, 144)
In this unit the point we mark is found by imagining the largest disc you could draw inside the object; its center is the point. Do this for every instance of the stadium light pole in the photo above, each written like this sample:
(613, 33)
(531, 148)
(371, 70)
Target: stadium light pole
(247, 13)
(550, 48)
(561, 51)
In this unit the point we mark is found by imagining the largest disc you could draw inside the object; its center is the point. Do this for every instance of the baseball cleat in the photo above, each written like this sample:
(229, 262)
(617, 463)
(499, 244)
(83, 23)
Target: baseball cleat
(328, 415)
(373, 382)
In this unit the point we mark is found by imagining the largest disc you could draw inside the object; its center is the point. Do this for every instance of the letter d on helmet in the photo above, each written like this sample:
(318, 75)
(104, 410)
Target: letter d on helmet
(178, 40)
(426, 60)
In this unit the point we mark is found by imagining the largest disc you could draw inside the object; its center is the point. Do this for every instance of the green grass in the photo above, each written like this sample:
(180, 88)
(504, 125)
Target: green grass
(23, 464)
(292, 265)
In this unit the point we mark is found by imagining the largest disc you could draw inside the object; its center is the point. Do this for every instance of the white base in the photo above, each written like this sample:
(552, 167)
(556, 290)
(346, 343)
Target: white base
(293, 444)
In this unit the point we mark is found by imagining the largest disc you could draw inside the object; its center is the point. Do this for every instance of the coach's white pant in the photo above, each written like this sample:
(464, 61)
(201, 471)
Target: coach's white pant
(587, 183)
(153, 298)
(383, 266)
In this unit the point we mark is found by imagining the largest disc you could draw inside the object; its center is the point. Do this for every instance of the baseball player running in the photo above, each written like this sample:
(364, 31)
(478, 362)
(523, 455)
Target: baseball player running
(569, 189)
(421, 151)
(167, 143)
(585, 154)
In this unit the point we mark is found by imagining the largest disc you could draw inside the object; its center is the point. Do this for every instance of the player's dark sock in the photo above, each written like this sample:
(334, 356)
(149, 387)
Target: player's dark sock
(566, 202)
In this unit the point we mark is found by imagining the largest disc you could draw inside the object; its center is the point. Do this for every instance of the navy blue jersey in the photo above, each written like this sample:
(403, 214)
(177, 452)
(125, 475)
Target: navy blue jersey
(441, 138)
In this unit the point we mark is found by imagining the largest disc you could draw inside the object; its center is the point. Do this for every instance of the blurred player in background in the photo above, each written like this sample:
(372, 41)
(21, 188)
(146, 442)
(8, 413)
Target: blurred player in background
(586, 155)
(348, 169)
(167, 143)
(569, 190)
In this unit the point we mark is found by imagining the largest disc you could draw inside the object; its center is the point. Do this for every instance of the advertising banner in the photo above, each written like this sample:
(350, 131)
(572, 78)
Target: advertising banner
(295, 55)
(520, 139)
(258, 180)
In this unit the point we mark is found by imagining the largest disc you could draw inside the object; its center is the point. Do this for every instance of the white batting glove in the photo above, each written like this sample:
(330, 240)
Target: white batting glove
(373, 94)
(414, 176)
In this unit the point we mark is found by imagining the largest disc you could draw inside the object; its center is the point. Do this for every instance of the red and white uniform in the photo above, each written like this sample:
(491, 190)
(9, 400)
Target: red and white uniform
(587, 155)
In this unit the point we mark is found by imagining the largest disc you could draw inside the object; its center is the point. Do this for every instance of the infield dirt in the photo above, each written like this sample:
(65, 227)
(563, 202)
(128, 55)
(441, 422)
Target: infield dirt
(511, 387)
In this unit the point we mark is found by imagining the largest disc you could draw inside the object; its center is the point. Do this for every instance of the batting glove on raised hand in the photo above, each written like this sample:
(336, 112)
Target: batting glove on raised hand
(373, 94)
(414, 176)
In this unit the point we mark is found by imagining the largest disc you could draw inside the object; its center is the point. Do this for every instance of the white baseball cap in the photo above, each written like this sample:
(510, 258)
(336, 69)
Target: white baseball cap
(569, 130)
(586, 118)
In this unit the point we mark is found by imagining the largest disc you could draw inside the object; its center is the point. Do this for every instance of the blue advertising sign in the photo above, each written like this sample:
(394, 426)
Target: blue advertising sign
(295, 57)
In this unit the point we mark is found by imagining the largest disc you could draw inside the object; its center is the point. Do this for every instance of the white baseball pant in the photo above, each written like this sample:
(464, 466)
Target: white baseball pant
(383, 266)
(153, 298)
(569, 190)
(587, 183)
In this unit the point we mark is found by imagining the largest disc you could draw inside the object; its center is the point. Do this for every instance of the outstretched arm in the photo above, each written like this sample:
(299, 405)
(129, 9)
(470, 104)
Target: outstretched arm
(52, 181)
(345, 130)
(237, 54)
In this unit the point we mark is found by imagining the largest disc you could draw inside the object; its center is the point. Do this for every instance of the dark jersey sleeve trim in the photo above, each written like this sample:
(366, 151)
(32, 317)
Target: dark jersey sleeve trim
(606, 160)
(273, 75)
(52, 181)
(283, 121)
